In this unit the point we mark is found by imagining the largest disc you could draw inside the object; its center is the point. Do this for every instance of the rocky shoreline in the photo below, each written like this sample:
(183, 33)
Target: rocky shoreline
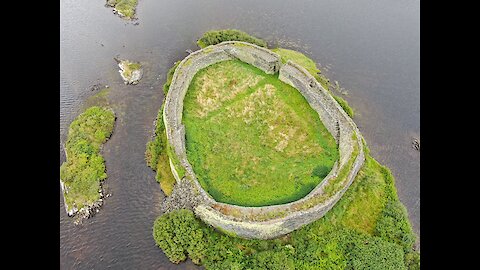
(87, 211)
(182, 197)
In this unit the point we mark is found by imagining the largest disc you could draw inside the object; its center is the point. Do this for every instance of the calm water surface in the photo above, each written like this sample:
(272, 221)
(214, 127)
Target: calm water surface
(371, 47)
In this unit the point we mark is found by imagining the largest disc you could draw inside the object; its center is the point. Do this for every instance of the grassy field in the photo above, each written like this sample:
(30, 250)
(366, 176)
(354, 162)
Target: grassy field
(85, 167)
(252, 139)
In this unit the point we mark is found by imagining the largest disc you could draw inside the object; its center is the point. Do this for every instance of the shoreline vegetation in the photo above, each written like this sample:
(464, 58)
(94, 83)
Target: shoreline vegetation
(156, 153)
(367, 229)
(123, 8)
(131, 72)
(217, 36)
(83, 172)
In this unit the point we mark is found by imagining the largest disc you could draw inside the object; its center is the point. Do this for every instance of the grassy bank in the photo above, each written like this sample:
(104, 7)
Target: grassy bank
(156, 150)
(253, 140)
(84, 168)
(312, 68)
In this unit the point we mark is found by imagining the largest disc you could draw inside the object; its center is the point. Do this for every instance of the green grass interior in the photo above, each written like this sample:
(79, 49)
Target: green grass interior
(253, 140)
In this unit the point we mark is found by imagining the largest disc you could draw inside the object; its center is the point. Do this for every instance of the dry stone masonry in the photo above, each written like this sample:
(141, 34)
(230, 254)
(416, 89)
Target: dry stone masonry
(268, 221)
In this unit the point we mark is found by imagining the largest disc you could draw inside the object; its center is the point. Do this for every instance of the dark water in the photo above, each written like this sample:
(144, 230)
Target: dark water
(370, 46)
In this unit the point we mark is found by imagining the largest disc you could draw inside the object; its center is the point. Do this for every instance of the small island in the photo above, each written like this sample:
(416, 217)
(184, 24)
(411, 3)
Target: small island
(124, 8)
(82, 173)
(340, 212)
(246, 130)
(131, 72)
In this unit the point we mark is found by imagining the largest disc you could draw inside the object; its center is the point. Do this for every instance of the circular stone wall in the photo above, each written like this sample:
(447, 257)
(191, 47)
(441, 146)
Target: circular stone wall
(268, 221)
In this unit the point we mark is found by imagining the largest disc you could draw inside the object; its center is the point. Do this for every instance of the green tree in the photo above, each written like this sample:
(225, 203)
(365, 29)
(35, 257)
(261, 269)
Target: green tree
(179, 234)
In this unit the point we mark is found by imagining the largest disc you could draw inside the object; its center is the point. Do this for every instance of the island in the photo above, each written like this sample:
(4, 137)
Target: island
(82, 173)
(124, 8)
(131, 72)
(264, 168)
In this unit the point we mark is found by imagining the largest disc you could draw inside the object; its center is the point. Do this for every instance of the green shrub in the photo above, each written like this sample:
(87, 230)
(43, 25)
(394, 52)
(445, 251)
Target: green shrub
(412, 260)
(344, 104)
(323, 253)
(158, 144)
(179, 234)
(223, 252)
(376, 254)
(321, 171)
(156, 153)
(275, 259)
(393, 225)
(217, 36)
(164, 175)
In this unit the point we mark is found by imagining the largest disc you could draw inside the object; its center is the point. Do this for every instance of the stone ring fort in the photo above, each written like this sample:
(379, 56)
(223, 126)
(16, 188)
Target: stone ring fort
(264, 222)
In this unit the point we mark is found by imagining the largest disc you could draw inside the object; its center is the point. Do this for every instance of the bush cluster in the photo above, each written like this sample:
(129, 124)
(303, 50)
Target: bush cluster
(218, 36)
(180, 235)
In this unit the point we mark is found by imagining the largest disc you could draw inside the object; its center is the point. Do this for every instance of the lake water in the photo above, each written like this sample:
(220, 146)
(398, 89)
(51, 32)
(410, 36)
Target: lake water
(371, 47)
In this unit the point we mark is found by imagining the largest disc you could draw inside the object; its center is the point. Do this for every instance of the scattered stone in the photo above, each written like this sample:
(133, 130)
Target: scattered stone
(96, 87)
(182, 196)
